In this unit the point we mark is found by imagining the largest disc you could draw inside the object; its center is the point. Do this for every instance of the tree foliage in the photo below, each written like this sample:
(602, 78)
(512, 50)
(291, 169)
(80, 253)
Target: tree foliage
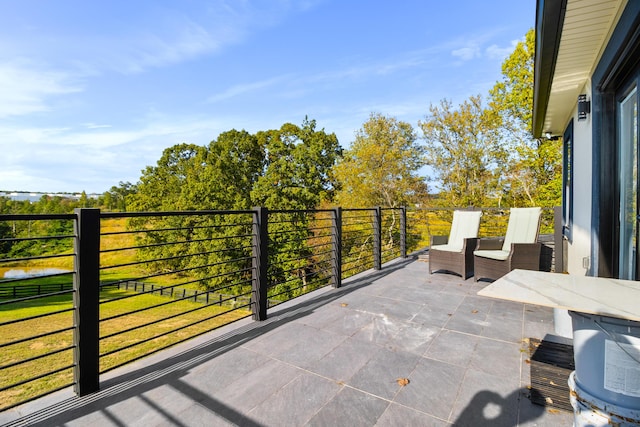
(486, 155)
(534, 169)
(286, 168)
(464, 151)
(381, 168)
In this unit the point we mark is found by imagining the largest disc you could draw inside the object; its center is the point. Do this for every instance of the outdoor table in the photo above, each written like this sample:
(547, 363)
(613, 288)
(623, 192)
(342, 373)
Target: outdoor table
(605, 386)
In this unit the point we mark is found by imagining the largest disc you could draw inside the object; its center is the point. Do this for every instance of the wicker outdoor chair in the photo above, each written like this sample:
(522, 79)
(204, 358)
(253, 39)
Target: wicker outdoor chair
(493, 258)
(454, 253)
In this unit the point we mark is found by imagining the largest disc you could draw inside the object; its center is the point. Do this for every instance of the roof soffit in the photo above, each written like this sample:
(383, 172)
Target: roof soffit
(587, 27)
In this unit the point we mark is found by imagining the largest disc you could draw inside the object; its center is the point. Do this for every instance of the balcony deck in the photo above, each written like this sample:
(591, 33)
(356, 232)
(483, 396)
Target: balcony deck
(333, 358)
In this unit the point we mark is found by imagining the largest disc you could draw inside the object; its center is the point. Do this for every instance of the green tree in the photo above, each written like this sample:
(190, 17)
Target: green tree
(297, 168)
(465, 153)
(117, 197)
(381, 168)
(533, 173)
(233, 164)
(287, 168)
(169, 184)
(297, 175)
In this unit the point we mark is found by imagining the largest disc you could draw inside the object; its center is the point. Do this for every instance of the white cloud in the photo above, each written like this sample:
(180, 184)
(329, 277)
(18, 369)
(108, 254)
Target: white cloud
(95, 126)
(25, 89)
(241, 89)
(467, 53)
(91, 159)
(149, 50)
(496, 52)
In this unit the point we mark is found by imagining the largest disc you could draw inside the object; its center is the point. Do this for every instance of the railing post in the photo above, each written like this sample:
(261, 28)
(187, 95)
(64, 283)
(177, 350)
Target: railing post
(403, 232)
(86, 298)
(336, 247)
(260, 260)
(377, 238)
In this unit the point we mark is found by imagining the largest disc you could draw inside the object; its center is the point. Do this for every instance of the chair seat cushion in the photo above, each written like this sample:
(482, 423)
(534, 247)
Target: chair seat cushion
(498, 254)
(446, 248)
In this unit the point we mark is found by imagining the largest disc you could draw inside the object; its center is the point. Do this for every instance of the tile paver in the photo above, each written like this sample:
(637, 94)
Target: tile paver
(334, 358)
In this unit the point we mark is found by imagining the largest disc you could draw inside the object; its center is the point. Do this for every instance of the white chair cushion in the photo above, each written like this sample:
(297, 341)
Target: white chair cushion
(497, 254)
(446, 248)
(465, 225)
(523, 227)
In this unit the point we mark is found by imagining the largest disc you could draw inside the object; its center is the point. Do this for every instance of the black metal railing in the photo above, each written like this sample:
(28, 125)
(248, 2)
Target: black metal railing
(126, 285)
(132, 284)
(36, 322)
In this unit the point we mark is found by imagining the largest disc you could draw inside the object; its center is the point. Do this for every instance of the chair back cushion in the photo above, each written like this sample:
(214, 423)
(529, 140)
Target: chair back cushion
(465, 225)
(523, 227)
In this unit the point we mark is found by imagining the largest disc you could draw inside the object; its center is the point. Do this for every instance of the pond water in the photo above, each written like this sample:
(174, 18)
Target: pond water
(19, 273)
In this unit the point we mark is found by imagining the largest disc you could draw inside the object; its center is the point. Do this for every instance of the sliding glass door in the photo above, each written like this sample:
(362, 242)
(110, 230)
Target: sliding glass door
(628, 160)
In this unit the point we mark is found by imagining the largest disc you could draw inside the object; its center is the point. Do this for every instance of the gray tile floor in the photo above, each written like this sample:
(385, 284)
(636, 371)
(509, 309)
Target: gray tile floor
(335, 358)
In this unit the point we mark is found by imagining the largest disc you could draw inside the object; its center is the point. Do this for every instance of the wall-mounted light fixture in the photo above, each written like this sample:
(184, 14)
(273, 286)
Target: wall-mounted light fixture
(584, 107)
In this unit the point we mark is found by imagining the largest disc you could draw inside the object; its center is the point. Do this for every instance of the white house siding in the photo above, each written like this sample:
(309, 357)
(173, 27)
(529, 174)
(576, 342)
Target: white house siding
(580, 247)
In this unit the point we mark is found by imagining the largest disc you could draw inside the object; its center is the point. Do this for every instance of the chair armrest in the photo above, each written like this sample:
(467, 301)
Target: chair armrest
(489, 244)
(525, 252)
(439, 240)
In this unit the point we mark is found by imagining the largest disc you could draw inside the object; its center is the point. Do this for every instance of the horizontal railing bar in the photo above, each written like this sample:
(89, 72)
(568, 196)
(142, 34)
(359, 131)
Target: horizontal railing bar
(24, 239)
(353, 236)
(301, 258)
(195, 227)
(307, 275)
(171, 258)
(36, 257)
(215, 276)
(50, 294)
(298, 287)
(35, 217)
(177, 271)
(182, 242)
(40, 356)
(292, 240)
(28, 380)
(37, 316)
(315, 273)
(357, 210)
(347, 270)
(128, 313)
(173, 213)
(34, 337)
(281, 211)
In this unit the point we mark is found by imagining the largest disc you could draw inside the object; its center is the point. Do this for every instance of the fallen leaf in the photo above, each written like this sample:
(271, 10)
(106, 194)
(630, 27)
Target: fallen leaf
(344, 304)
(553, 411)
(474, 311)
(402, 381)
(527, 361)
(552, 383)
(548, 400)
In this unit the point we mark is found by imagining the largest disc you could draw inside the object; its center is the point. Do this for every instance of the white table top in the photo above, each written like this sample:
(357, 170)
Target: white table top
(592, 295)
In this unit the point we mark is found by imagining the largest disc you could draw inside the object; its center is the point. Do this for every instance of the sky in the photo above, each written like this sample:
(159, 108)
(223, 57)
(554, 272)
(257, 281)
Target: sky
(92, 92)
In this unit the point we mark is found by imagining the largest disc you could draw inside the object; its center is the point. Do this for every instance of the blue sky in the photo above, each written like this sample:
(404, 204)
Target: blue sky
(92, 92)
